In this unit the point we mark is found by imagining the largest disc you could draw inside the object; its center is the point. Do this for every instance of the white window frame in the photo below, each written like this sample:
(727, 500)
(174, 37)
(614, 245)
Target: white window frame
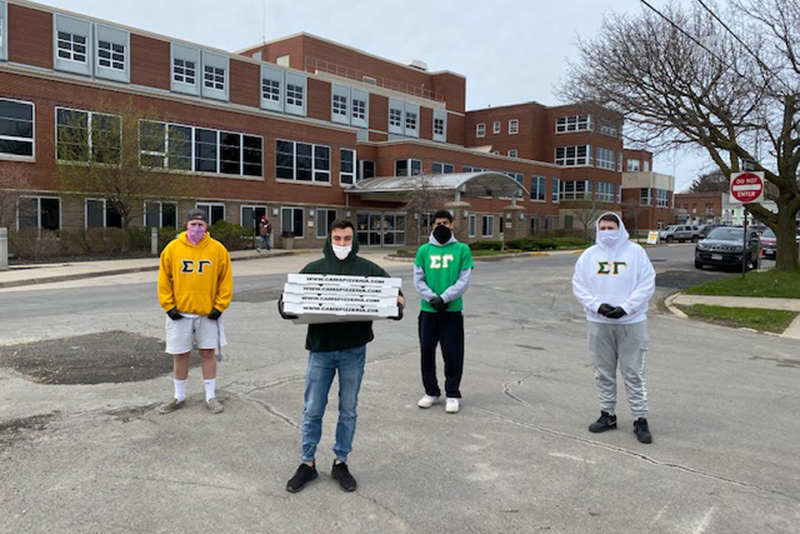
(86, 212)
(352, 174)
(512, 153)
(497, 127)
(572, 157)
(216, 62)
(114, 37)
(185, 53)
(296, 94)
(408, 166)
(584, 194)
(574, 123)
(39, 199)
(213, 205)
(555, 194)
(3, 30)
(480, 130)
(605, 159)
(314, 169)
(252, 207)
(490, 225)
(633, 165)
(341, 103)
(359, 108)
(662, 198)
(74, 27)
(513, 127)
(443, 167)
(303, 222)
(541, 188)
(397, 116)
(646, 165)
(605, 191)
(32, 140)
(273, 76)
(472, 225)
(160, 212)
(321, 226)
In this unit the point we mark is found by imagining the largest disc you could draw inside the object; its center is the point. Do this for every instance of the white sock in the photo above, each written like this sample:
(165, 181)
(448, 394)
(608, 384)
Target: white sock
(211, 386)
(180, 389)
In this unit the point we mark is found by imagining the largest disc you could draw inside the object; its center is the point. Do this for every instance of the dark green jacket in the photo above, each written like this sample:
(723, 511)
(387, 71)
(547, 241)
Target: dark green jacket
(339, 336)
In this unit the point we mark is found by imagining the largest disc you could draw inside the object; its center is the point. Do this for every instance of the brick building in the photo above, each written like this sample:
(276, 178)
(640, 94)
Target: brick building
(648, 198)
(294, 128)
(699, 208)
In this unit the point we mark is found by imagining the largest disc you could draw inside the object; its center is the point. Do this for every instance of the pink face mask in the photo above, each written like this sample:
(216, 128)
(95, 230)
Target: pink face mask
(196, 233)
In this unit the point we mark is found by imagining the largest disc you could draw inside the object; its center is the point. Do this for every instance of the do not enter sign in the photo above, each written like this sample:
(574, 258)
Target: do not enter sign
(747, 187)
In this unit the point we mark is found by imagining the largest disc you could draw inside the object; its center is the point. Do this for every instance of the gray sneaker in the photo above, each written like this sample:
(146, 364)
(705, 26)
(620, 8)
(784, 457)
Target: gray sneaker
(214, 406)
(171, 406)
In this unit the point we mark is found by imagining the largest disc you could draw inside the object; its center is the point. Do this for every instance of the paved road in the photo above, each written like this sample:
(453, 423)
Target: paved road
(518, 458)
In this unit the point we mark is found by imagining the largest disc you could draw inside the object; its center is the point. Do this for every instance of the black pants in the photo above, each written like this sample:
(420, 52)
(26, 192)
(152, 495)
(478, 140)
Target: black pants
(448, 329)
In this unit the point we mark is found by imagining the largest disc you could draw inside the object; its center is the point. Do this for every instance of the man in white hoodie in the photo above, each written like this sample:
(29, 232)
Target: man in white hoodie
(614, 281)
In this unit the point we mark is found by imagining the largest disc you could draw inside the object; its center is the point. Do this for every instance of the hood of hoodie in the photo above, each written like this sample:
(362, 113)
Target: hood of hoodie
(327, 251)
(183, 238)
(432, 240)
(623, 232)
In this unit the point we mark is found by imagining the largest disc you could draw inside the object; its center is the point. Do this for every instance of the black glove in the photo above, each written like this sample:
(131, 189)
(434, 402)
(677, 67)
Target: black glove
(616, 313)
(438, 304)
(174, 314)
(215, 314)
(605, 309)
(288, 316)
(399, 315)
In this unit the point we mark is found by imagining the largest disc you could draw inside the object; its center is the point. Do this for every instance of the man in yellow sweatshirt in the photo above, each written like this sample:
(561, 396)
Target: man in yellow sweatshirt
(194, 288)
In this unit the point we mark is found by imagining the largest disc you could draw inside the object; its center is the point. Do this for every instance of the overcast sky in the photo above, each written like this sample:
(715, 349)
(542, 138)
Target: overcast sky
(510, 50)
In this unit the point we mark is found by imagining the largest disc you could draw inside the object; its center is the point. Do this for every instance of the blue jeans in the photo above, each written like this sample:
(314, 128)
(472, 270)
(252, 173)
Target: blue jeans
(265, 241)
(322, 366)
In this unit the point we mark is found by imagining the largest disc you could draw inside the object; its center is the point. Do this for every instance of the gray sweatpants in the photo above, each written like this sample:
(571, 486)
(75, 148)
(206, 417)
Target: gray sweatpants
(625, 345)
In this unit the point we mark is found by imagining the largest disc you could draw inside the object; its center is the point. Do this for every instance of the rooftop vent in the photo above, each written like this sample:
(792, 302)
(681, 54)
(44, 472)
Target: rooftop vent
(418, 64)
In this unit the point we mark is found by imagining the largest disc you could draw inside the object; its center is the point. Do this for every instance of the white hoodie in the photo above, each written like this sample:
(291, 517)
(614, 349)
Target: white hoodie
(619, 275)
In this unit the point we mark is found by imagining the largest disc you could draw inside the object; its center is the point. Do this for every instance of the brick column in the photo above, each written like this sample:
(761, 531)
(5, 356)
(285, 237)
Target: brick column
(460, 223)
(514, 215)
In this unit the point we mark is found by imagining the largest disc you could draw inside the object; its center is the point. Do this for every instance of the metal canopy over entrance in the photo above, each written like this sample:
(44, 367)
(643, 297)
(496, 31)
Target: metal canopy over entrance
(463, 184)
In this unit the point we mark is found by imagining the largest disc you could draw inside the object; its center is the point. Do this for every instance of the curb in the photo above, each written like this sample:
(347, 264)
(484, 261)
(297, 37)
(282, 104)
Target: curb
(127, 270)
(669, 303)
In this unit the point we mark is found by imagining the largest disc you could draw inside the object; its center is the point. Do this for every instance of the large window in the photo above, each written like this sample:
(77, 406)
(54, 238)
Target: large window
(112, 51)
(576, 190)
(215, 211)
(111, 55)
(85, 135)
(340, 106)
(347, 166)
(442, 168)
(16, 128)
(633, 165)
(159, 214)
(359, 108)
(294, 94)
(366, 169)
(251, 215)
(303, 162)
(72, 47)
(39, 212)
(171, 146)
(292, 221)
(184, 71)
(555, 193)
(487, 226)
(645, 198)
(606, 158)
(662, 199)
(101, 214)
(407, 167)
(480, 130)
(574, 123)
(573, 156)
(513, 126)
(605, 192)
(538, 188)
(325, 218)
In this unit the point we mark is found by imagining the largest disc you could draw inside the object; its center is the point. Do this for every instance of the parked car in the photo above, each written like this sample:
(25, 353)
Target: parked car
(680, 232)
(769, 243)
(706, 228)
(724, 248)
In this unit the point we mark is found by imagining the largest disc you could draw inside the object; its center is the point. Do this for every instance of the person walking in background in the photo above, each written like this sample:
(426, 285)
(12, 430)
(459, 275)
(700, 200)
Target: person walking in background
(195, 287)
(264, 234)
(442, 271)
(614, 281)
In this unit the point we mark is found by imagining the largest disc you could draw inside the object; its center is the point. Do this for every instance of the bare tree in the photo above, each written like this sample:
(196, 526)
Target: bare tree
(423, 201)
(120, 155)
(725, 83)
(632, 210)
(586, 212)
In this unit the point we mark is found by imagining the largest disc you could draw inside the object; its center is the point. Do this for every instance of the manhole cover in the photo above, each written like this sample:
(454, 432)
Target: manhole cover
(90, 359)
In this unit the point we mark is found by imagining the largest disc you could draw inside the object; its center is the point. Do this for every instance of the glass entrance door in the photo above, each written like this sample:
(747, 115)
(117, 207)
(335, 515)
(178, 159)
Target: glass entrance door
(381, 229)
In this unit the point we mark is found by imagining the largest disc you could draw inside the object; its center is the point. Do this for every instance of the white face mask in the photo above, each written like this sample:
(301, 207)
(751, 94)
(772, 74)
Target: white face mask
(608, 238)
(341, 252)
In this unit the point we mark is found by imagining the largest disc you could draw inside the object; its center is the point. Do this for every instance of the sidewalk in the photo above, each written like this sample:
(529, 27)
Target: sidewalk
(792, 305)
(24, 275)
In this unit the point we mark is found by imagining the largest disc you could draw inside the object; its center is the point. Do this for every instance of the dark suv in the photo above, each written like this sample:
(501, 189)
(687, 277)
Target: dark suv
(724, 248)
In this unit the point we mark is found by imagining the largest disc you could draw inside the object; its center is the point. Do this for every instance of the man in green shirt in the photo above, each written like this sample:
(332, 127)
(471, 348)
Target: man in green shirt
(442, 271)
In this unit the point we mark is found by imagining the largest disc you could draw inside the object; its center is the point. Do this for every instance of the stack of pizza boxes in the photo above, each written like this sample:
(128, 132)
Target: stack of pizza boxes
(326, 298)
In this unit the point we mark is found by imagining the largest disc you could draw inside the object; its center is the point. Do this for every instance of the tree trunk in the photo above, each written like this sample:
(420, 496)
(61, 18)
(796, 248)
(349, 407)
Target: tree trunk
(786, 259)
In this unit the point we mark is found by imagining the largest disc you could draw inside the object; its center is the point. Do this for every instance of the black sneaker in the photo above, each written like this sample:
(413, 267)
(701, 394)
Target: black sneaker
(642, 430)
(606, 422)
(304, 474)
(341, 473)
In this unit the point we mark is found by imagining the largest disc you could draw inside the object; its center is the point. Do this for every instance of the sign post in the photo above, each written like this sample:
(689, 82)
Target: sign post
(746, 188)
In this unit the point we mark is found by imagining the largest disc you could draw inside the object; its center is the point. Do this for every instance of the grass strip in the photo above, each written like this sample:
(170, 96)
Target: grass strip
(775, 321)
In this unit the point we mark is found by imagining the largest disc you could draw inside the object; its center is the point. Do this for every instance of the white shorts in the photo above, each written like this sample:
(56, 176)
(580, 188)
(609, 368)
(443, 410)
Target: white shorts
(194, 331)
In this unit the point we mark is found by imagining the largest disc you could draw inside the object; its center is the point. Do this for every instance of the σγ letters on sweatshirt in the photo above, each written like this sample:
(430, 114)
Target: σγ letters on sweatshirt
(442, 266)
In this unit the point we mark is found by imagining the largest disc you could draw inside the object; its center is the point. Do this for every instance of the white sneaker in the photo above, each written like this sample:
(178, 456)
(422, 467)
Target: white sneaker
(452, 405)
(427, 401)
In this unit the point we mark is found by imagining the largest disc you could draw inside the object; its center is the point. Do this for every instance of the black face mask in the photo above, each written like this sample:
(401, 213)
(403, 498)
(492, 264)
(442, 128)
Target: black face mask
(442, 234)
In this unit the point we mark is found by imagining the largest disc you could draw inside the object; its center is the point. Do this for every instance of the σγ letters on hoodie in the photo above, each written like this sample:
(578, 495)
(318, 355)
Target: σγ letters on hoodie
(618, 273)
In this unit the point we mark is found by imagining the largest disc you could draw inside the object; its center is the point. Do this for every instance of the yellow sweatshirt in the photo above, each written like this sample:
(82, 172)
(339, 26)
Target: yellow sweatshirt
(195, 278)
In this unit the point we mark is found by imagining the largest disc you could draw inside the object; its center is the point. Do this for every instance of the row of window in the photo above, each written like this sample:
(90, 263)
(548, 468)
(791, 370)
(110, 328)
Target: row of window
(635, 165)
(582, 190)
(581, 156)
(585, 123)
(513, 128)
(646, 197)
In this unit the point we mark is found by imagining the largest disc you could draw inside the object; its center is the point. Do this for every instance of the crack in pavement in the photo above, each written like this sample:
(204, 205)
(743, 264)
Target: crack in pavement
(271, 409)
(637, 455)
(507, 388)
(180, 482)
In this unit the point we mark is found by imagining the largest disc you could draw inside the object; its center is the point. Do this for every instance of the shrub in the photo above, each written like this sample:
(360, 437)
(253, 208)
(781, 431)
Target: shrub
(106, 241)
(233, 236)
(533, 244)
(33, 243)
(486, 245)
